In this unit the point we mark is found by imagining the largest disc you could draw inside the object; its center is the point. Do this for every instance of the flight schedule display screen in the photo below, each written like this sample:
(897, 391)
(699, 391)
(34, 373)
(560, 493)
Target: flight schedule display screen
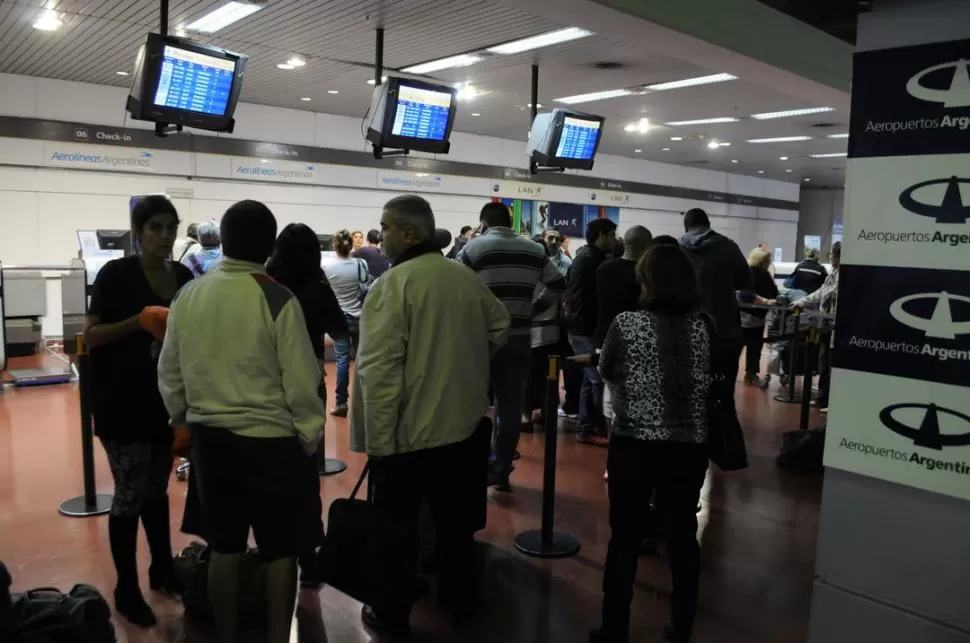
(578, 139)
(194, 82)
(421, 113)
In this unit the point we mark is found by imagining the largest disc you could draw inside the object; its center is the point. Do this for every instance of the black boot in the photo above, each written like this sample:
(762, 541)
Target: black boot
(129, 602)
(161, 573)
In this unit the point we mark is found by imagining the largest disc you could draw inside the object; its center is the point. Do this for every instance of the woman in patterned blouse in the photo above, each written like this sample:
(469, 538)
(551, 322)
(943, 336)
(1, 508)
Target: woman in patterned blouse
(658, 362)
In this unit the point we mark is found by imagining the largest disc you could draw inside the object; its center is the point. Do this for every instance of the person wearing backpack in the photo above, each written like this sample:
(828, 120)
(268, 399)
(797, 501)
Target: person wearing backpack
(350, 281)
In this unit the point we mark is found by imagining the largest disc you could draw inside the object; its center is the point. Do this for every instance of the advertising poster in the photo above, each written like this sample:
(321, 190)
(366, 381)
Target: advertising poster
(602, 212)
(899, 405)
(568, 218)
(523, 220)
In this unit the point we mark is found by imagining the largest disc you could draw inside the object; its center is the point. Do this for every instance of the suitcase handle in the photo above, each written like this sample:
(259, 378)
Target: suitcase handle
(32, 593)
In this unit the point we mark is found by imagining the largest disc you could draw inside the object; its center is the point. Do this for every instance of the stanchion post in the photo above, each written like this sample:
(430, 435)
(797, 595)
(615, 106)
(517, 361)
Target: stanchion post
(546, 542)
(810, 358)
(91, 503)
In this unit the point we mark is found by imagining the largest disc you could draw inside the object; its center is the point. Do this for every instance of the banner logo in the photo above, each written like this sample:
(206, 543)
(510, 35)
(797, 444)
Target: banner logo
(927, 434)
(958, 94)
(940, 324)
(950, 210)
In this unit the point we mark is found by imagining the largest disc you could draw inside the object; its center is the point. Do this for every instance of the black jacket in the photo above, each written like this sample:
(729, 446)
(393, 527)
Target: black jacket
(808, 276)
(579, 302)
(721, 271)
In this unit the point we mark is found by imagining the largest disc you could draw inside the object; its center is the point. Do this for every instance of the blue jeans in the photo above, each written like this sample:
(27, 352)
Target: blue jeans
(342, 349)
(510, 368)
(591, 418)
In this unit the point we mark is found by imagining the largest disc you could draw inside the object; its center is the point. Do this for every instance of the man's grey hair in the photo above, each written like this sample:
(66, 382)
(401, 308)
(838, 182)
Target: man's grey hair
(411, 211)
(636, 240)
(208, 232)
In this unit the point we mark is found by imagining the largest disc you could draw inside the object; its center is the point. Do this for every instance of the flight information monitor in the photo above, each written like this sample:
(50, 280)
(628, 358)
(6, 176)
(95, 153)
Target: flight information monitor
(194, 82)
(578, 138)
(422, 113)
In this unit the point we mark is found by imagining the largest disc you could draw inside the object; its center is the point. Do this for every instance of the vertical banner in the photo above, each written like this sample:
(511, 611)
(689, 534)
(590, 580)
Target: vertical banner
(900, 397)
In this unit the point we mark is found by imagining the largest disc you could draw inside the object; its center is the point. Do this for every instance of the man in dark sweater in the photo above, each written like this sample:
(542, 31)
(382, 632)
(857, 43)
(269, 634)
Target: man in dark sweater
(722, 270)
(580, 305)
(377, 263)
(617, 289)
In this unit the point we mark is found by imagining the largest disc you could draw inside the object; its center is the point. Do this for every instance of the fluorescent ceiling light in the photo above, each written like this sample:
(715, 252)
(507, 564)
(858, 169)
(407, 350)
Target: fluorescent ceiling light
(296, 61)
(724, 145)
(780, 139)
(306, 99)
(691, 82)
(791, 112)
(713, 145)
(461, 60)
(122, 73)
(475, 114)
(734, 160)
(807, 179)
(782, 158)
(637, 151)
(642, 126)
(222, 17)
(788, 170)
(664, 149)
(333, 91)
(588, 98)
(761, 171)
(286, 66)
(48, 21)
(828, 156)
(467, 92)
(704, 121)
(542, 40)
(843, 135)
(676, 138)
(371, 81)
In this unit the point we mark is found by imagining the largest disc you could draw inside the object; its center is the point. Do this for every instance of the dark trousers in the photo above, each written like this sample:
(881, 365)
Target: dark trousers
(453, 480)
(675, 472)
(727, 358)
(753, 340)
(824, 368)
(535, 385)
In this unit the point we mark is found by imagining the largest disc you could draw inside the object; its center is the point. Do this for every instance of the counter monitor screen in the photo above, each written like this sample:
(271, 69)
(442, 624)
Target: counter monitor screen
(194, 82)
(422, 113)
(578, 138)
(115, 240)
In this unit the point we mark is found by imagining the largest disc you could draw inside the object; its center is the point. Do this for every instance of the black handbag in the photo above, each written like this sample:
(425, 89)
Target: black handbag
(191, 566)
(365, 554)
(725, 439)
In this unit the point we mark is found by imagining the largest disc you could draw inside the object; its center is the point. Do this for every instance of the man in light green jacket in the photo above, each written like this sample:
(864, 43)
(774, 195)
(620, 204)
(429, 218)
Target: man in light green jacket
(427, 332)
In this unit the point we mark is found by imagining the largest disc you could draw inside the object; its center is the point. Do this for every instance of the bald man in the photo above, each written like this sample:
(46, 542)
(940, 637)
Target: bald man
(617, 289)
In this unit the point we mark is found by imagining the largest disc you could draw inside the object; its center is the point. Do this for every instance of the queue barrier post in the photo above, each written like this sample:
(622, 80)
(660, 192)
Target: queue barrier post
(328, 466)
(811, 357)
(91, 503)
(546, 542)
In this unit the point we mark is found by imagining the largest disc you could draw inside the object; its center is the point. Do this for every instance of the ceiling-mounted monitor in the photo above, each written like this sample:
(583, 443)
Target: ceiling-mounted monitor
(414, 115)
(185, 83)
(565, 139)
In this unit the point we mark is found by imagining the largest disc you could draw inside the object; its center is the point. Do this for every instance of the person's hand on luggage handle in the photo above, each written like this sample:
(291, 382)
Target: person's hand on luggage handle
(590, 359)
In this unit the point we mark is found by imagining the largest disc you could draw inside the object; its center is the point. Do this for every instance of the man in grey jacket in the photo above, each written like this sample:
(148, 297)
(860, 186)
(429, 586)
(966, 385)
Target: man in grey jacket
(722, 270)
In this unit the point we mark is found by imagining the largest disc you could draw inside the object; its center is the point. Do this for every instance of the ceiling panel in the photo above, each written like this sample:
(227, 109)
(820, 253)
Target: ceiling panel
(101, 37)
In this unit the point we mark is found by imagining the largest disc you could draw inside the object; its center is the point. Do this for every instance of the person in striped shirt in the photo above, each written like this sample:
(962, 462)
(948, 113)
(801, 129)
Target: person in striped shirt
(512, 267)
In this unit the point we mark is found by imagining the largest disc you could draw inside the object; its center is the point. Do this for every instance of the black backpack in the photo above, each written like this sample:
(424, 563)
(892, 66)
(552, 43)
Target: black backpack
(47, 615)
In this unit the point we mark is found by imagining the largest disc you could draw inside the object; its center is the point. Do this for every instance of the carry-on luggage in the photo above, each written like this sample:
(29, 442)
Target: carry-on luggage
(47, 615)
(802, 451)
(6, 605)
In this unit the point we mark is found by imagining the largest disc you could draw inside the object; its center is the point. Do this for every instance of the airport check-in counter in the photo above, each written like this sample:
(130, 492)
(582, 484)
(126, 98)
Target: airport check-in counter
(25, 303)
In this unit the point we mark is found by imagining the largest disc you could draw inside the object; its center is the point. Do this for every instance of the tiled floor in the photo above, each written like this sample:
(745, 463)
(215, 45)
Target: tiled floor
(758, 533)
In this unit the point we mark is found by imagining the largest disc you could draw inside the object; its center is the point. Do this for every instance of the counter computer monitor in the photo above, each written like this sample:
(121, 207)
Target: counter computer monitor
(181, 82)
(115, 240)
(326, 242)
(412, 115)
(565, 139)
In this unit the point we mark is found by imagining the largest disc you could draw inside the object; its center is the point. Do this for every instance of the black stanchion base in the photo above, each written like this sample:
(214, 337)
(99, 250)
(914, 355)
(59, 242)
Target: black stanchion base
(788, 400)
(79, 508)
(530, 544)
(332, 466)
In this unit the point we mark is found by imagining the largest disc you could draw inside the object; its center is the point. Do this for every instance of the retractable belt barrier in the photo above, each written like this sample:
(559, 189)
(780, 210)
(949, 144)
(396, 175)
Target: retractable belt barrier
(546, 542)
(91, 503)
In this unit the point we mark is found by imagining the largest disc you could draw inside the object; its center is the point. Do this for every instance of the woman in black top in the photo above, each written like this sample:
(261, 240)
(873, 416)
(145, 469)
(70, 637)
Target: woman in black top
(296, 264)
(129, 416)
(764, 291)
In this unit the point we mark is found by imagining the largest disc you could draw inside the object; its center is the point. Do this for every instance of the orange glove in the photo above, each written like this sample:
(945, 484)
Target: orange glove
(154, 319)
